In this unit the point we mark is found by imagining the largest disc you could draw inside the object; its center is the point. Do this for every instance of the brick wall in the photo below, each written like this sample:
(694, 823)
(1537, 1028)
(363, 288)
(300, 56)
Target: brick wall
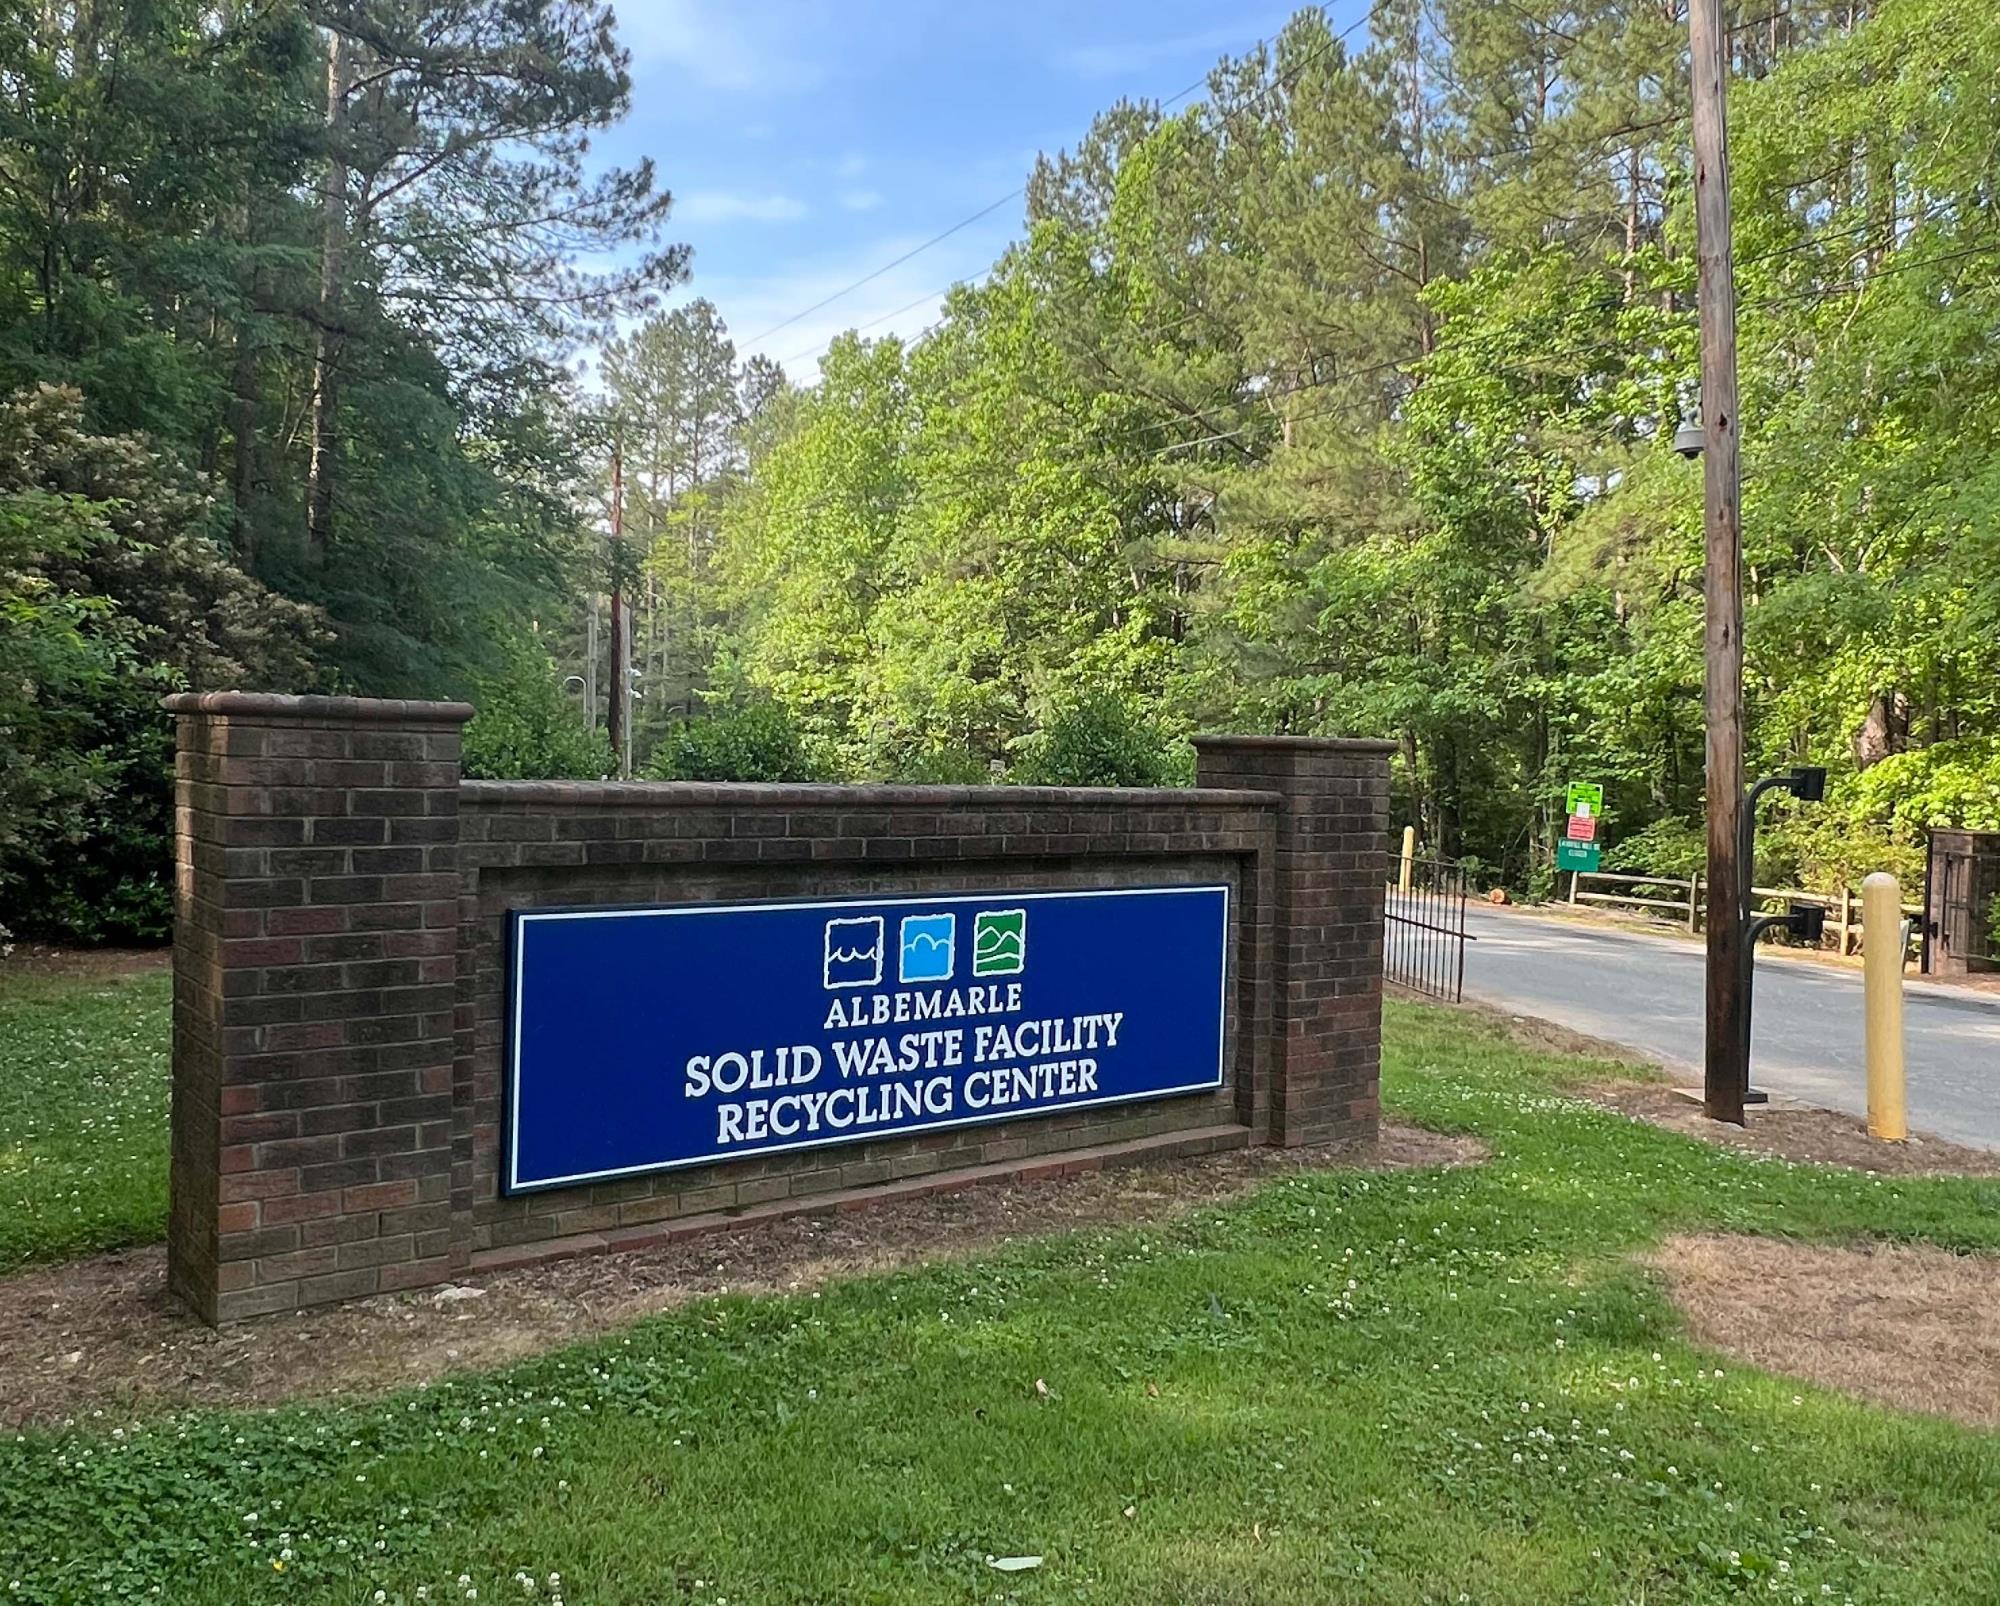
(315, 969)
(340, 958)
(1331, 869)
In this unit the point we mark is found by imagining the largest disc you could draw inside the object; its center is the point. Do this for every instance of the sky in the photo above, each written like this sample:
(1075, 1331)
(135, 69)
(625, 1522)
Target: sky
(809, 142)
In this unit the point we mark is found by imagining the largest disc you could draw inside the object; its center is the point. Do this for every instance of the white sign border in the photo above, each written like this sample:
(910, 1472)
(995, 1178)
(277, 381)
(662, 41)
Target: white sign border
(521, 919)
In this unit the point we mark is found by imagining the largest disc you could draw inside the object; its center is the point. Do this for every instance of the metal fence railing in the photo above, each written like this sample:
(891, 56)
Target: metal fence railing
(1424, 935)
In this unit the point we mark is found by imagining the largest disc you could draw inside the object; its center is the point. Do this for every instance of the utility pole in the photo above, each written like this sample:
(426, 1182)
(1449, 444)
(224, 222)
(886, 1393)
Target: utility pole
(618, 720)
(590, 664)
(1727, 1062)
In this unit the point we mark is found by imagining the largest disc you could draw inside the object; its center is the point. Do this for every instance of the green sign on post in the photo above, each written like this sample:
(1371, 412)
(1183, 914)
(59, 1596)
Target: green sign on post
(1583, 856)
(1585, 792)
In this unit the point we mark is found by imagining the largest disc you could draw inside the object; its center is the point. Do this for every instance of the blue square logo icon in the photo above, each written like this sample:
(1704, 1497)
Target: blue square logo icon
(928, 942)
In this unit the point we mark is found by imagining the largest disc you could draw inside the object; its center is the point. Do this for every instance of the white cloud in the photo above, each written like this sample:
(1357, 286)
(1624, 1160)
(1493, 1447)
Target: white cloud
(730, 206)
(860, 200)
(851, 165)
(713, 44)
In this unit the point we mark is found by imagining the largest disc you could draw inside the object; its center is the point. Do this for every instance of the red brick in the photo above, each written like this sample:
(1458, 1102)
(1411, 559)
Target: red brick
(380, 1196)
(301, 1206)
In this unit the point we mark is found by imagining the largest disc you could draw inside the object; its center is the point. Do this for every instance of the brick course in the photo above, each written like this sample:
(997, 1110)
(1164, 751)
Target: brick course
(340, 958)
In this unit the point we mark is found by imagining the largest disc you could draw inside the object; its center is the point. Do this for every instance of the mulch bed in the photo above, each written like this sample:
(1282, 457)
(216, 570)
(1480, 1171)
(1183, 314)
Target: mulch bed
(101, 1333)
(1905, 1325)
(1796, 1132)
(84, 964)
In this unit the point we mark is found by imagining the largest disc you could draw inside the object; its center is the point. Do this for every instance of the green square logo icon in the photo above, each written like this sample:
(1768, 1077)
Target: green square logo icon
(1000, 942)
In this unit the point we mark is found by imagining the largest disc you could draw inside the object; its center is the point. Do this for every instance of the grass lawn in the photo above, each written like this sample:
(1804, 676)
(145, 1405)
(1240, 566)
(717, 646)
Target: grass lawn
(83, 1113)
(1422, 1387)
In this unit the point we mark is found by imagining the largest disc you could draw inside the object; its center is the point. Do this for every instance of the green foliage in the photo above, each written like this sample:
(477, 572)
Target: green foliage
(83, 1112)
(758, 741)
(1247, 1379)
(943, 766)
(115, 589)
(529, 728)
(305, 281)
(1102, 741)
(1669, 847)
(1878, 820)
(1338, 403)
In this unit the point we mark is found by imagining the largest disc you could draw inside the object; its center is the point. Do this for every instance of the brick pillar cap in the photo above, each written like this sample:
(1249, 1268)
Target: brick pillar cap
(276, 705)
(1309, 744)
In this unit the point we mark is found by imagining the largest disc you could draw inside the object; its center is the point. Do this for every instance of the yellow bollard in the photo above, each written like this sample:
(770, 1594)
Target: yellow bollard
(1409, 855)
(1882, 959)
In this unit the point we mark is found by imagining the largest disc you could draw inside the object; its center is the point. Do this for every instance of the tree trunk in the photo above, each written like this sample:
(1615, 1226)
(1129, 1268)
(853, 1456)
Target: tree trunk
(326, 334)
(1885, 731)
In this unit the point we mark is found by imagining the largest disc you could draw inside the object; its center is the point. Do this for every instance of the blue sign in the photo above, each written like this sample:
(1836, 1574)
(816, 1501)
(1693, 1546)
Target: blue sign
(642, 1039)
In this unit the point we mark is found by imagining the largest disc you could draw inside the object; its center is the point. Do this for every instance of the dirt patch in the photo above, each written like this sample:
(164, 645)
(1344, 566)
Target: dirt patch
(1905, 1325)
(102, 1333)
(82, 964)
(1795, 1132)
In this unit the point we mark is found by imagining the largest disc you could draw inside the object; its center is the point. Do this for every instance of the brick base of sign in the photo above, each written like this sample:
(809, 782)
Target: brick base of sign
(340, 960)
(1069, 1163)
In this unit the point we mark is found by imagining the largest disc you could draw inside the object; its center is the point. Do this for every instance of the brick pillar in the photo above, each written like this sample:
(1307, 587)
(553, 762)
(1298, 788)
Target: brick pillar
(315, 962)
(1326, 983)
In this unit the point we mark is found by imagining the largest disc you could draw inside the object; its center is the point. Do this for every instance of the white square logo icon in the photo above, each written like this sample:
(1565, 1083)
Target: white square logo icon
(854, 952)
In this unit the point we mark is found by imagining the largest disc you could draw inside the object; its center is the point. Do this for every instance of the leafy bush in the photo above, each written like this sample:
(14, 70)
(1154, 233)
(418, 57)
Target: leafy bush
(943, 766)
(1878, 820)
(1669, 847)
(115, 586)
(755, 742)
(1103, 741)
(528, 729)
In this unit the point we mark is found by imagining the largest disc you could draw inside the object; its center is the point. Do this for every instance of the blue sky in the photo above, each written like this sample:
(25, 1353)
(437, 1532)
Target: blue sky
(808, 143)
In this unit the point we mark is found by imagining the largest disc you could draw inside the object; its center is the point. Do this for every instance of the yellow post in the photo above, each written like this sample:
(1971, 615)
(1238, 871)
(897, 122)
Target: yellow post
(1409, 854)
(1882, 960)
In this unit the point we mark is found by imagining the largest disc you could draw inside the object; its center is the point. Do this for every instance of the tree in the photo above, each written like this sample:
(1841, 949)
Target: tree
(455, 191)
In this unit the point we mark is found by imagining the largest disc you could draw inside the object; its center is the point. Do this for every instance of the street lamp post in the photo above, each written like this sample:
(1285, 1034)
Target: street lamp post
(1807, 783)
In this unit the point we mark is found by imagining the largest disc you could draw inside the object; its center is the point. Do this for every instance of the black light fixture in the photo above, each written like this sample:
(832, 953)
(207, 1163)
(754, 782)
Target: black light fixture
(1806, 921)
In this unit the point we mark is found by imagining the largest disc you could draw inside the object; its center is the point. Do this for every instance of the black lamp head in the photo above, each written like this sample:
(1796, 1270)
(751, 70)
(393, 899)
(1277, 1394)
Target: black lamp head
(1808, 783)
(1807, 921)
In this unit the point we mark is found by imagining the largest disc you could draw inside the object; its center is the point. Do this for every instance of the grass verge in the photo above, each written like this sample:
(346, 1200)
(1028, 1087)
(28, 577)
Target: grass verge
(83, 1113)
(1425, 1387)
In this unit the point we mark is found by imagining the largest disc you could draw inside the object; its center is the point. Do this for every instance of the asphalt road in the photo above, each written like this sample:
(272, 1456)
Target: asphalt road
(1645, 992)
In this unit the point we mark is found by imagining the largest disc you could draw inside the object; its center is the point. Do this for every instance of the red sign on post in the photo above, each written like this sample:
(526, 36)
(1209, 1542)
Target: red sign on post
(1583, 828)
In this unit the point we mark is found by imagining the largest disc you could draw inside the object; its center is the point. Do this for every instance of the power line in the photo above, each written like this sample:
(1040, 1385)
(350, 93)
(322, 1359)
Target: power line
(1022, 189)
(870, 278)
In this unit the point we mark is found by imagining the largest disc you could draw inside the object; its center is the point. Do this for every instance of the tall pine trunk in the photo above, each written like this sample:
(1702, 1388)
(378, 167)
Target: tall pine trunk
(326, 331)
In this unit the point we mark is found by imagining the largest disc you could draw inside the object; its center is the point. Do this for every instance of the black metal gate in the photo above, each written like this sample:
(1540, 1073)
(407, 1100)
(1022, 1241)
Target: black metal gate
(1424, 935)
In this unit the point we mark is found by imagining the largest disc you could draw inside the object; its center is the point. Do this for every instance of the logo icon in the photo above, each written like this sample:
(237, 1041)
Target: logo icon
(928, 945)
(854, 952)
(1000, 942)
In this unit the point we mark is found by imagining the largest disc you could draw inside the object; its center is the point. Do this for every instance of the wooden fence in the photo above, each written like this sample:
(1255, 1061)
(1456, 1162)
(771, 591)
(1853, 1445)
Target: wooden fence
(1683, 899)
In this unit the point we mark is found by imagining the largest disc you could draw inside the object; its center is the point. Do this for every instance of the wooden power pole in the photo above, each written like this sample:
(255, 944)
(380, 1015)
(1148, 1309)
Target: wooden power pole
(1727, 1060)
(618, 714)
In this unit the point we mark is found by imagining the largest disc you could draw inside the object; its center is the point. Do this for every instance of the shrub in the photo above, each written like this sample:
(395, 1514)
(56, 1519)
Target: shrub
(1103, 741)
(1670, 847)
(943, 766)
(528, 729)
(115, 586)
(755, 742)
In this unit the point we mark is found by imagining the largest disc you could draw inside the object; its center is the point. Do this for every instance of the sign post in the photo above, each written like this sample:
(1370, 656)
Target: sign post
(1580, 852)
